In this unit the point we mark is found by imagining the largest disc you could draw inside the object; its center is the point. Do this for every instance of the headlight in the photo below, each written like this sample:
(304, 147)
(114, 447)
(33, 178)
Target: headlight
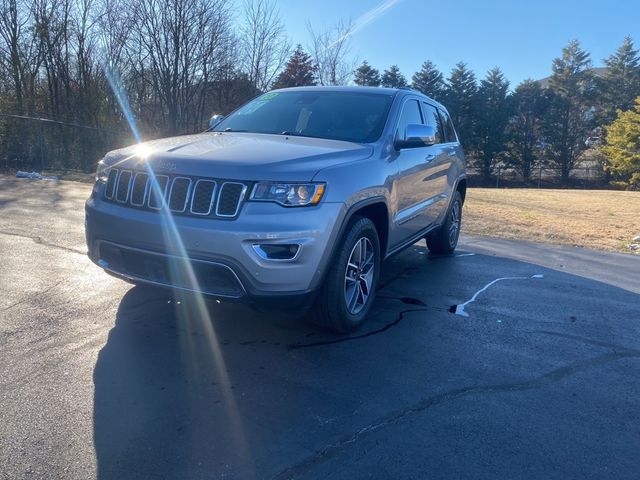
(102, 172)
(289, 194)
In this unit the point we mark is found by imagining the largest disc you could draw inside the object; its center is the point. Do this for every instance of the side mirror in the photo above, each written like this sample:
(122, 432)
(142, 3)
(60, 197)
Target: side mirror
(417, 135)
(215, 120)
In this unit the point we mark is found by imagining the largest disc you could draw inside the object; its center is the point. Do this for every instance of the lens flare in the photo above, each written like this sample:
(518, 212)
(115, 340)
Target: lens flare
(143, 150)
(123, 101)
(196, 317)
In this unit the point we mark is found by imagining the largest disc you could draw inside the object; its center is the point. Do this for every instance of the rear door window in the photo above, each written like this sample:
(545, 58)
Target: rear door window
(449, 131)
(432, 119)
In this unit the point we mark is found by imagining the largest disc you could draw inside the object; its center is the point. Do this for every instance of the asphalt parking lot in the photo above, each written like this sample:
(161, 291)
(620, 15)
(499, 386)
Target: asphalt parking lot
(535, 376)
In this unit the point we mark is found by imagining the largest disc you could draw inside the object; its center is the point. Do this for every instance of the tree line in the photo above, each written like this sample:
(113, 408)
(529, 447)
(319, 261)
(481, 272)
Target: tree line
(548, 122)
(176, 62)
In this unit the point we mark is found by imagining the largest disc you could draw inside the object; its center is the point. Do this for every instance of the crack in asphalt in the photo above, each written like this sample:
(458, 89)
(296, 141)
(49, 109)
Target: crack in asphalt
(30, 296)
(589, 341)
(297, 346)
(554, 376)
(405, 300)
(40, 241)
(397, 276)
(398, 319)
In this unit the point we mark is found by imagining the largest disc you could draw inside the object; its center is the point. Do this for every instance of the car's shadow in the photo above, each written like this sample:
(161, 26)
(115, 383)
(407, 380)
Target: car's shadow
(168, 379)
(189, 388)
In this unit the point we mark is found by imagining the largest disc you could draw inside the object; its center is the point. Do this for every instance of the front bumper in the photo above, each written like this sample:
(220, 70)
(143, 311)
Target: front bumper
(216, 257)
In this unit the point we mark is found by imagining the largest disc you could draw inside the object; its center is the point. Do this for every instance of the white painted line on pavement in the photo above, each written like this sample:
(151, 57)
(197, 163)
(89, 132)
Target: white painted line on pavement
(459, 309)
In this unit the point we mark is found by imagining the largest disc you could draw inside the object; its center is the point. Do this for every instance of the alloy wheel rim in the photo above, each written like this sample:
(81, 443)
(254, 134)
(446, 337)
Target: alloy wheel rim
(454, 227)
(358, 279)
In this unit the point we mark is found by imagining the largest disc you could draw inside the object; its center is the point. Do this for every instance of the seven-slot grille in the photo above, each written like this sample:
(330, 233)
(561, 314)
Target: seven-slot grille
(180, 194)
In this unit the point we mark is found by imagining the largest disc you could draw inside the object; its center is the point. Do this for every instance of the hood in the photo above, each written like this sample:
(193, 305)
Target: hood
(240, 156)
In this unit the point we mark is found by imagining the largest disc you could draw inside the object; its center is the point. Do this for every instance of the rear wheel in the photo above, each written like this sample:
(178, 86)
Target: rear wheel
(347, 294)
(445, 239)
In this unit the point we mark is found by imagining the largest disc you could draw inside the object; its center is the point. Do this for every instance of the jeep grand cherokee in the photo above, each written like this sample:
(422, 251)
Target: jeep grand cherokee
(301, 192)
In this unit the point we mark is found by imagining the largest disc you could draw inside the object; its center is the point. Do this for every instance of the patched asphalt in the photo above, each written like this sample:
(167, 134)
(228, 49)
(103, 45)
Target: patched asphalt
(99, 379)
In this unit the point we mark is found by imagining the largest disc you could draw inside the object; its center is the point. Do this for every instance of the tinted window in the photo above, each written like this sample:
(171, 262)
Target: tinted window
(449, 131)
(410, 115)
(432, 119)
(351, 116)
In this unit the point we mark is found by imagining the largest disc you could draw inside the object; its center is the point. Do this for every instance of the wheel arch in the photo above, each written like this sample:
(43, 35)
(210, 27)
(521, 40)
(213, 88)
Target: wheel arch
(375, 209)
(461, 186)
(378, 213)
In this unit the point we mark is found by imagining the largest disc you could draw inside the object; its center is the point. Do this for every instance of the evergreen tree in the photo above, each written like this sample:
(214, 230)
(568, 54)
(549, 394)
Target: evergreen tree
(492, 119)
(460, 97)
(393, 78)
(621, 83)
(367, 76)
(623, 147)
(528, 104)
(429, 80)
(566, 124)
(298, 72)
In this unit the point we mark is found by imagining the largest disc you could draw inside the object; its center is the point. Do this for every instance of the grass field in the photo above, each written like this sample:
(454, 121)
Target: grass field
(599, 219)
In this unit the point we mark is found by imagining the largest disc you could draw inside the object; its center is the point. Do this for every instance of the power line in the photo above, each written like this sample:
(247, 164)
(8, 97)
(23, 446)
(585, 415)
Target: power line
(48, 120)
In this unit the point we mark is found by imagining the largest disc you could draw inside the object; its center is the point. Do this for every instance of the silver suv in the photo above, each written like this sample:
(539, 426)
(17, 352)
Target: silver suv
(301, 193)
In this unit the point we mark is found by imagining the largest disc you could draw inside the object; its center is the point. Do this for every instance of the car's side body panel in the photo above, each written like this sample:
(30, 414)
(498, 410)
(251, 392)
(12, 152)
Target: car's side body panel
(417, 188)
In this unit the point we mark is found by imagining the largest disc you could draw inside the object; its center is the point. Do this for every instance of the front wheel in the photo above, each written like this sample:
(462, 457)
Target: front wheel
(347, 294)
(445, 239)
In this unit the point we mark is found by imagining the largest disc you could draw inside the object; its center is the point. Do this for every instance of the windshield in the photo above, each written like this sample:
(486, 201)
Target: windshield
(350, 116)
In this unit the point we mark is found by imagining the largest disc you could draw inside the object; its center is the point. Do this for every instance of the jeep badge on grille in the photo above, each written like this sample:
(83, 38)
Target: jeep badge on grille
(165, 166)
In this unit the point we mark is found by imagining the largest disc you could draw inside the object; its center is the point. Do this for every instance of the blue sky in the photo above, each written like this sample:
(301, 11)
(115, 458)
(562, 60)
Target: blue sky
(519, 36)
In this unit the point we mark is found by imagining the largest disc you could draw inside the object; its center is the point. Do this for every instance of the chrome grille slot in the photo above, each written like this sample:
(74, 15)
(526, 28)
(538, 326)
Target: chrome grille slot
(230, 199)
(157, 191)
(202, 199)
(111, 183)
(124, 185)
(139, 189)
(184, 195)
(179, 194)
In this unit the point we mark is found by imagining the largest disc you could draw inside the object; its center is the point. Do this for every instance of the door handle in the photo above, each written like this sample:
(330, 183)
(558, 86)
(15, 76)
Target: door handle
(429, 157)
(452, 153)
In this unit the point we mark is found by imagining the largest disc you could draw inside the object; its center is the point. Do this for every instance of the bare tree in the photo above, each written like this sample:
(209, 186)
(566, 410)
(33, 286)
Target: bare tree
(86, 74)
(20, 54)
(179, 41)
(52, 28)
(330, 50)
(115, 53)
(265, 47)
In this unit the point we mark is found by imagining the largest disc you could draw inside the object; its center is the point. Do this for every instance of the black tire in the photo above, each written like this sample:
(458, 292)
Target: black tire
(331, 310)
(445, 239)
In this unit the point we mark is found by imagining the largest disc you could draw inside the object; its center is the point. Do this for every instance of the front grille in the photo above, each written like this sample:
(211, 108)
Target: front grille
(139, 189)
(111, 184)
(158, 191)
(203, 196)
(229, 201)
(180, 194)
(124, 185)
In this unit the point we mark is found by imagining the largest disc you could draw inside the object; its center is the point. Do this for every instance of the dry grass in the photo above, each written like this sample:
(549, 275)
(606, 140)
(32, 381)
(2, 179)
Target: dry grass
(599, 219)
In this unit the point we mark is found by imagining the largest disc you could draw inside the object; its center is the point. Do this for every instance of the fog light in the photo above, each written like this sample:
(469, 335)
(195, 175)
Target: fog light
(278, 251)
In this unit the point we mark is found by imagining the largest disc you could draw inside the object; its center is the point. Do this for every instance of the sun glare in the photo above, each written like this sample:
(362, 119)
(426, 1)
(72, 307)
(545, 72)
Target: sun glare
(197, 317)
